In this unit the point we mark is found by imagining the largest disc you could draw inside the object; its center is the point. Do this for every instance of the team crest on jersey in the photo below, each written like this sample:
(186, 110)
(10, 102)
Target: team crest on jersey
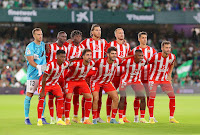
(28, 51)
(148, 51)
(47, 68)
(170, 60)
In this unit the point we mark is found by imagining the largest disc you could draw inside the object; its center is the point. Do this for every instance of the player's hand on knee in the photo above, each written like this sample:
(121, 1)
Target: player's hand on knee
(42, 94)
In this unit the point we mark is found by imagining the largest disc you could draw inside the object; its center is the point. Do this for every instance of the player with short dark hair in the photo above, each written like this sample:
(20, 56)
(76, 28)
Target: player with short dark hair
(34, 69)
(75, 50)
(51, 55)
(131, 77)
(123, 49)
(160, 74)
(106, 68)
(75, 80)
(49, 83)
(98, 47)
(148, 53)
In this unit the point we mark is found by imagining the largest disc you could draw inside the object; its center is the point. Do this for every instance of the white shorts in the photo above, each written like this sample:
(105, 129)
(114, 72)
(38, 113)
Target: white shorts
(32, 85)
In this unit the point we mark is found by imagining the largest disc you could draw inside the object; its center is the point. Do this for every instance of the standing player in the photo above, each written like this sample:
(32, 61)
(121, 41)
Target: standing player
(160, 74)
(51, 55)
(148, 53)
(34, 69)
(75, 80)
(123, 49)
(98, 46)
(131, 77)
(49, 83)
(106, 68)
(75, 51)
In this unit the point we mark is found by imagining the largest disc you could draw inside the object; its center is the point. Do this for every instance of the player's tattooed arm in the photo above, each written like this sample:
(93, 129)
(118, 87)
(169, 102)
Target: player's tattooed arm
(42, 94)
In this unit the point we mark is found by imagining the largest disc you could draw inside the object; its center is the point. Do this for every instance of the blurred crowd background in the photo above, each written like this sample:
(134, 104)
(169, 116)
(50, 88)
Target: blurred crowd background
(12, 56)
(123, 5)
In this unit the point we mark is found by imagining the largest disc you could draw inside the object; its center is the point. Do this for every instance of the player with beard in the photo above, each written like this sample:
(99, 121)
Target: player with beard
(51, 55)
(123, 49)
(160, 74)
(98, 46)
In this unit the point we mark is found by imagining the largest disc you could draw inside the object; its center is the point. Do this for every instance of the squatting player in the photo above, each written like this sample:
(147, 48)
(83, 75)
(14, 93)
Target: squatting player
(148, 53)
(51, 55)
(106, 68)
(123, 50)
(131, 76)
(49, 83)
(98, 46)
(75, 80)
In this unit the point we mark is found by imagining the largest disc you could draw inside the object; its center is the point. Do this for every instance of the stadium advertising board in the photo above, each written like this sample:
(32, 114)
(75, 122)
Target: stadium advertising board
(82, 16)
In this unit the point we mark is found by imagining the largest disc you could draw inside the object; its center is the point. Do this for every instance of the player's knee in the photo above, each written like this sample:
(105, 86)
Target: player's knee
(95, 99)
(29, 94)
(115, 99)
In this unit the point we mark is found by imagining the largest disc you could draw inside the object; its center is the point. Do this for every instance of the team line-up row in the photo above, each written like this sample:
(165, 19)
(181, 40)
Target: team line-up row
(77, 67)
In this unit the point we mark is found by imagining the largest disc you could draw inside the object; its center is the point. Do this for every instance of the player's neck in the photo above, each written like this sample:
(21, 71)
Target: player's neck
(60, 44)
(120, 41)
(110, 61)
(85, 63)
(59, 63)
(165, 55)
(37, 42)
(76, 44)
(143, 45)
(96, 38)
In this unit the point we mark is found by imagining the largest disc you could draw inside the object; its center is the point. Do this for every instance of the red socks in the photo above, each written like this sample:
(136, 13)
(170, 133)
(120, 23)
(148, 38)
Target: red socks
(136, 105)
(82, 105)
(76, 104)
(121, 114)
(108, 105)
(114, 112)
(94, 114)
(151, 106)
(59, 107)
(67, 107)
(40, 107)
(88, 106)
(51, 106)
(172, 106)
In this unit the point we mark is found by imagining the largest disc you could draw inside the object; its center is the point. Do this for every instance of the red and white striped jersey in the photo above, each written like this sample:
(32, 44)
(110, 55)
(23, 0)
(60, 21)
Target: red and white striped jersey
(160, 66)
(54, 72)
(105, 71)
(122, 51)
(132, 70)
(53, 49)
(66, 44)
(148, 53)
(74, 51)
(97, 46)
(78, 71)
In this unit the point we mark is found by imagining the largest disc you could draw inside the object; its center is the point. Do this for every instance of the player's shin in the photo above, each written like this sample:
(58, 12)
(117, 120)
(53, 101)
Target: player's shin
(59, 107)
(108, 106)
(40, 108)
(51, 106)
(27, 106)
(76, 104)
(136, 105)
(67, 107)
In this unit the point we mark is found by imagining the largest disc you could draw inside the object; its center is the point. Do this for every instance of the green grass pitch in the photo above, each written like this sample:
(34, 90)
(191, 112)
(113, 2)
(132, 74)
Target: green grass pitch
(187, 113)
